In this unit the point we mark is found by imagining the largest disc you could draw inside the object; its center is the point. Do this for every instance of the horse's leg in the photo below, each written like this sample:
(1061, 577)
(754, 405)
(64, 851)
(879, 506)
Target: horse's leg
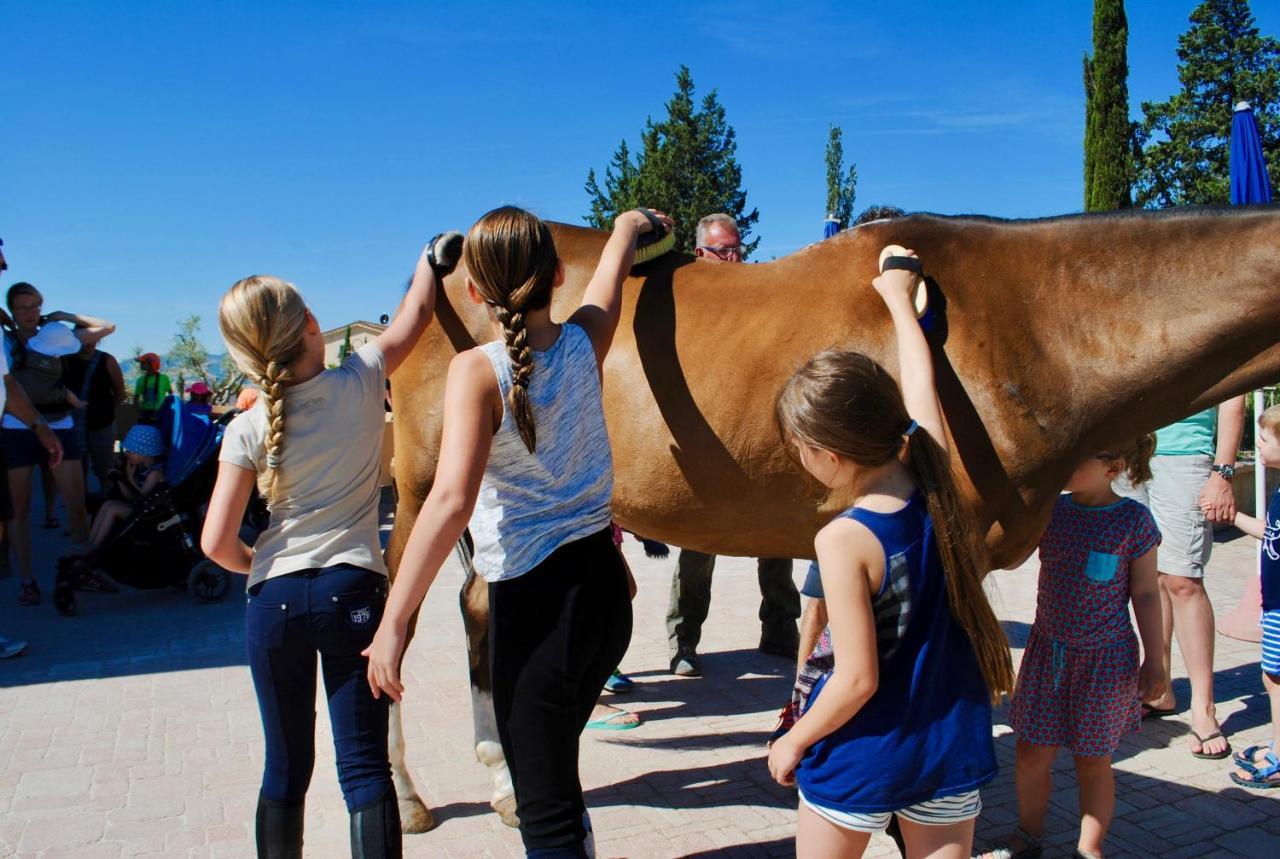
(474, 599)
(414, 815)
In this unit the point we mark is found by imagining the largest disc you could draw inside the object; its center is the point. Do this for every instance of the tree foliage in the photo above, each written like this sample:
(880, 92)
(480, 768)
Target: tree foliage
(841, 185)
(686, 167)
(1108, 131)
(188, 361)
(1185, 142)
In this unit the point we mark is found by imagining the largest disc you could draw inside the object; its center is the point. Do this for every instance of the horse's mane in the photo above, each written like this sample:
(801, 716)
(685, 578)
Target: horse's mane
(1172, 213)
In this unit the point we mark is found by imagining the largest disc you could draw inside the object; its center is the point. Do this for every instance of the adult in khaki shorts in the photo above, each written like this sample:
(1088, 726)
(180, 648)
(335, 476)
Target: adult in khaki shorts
(1190, 490)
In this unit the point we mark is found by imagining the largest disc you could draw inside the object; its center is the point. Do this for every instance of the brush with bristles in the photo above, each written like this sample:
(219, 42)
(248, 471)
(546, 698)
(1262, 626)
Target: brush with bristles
(653, 244)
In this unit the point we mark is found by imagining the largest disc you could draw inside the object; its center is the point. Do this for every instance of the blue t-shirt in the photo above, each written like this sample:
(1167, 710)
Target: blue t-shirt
(1270, 571)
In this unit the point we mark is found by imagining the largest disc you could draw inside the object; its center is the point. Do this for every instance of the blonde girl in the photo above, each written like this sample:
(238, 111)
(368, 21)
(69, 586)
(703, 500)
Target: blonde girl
(895, 700)
(317, 582)
(525, 447)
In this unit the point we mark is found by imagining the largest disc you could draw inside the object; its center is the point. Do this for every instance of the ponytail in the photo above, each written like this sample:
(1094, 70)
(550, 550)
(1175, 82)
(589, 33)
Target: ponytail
(956, 536)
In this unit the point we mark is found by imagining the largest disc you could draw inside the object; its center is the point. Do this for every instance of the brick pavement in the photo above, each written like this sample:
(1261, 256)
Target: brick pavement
(132, 730)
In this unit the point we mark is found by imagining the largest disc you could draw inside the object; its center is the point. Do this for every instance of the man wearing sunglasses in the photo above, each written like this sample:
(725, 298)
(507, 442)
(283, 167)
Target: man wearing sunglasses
(718, 241)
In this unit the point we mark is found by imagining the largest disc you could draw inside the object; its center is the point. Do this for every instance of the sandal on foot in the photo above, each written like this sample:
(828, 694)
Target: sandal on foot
(1208, 757)
(1246, 756)
(613, 722)
(29, 594)
(1261, 776)
(1149, 712)
(1031, 847)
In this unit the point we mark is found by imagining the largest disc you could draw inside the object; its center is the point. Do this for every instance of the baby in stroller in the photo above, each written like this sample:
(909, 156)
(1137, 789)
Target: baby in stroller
(144, 534)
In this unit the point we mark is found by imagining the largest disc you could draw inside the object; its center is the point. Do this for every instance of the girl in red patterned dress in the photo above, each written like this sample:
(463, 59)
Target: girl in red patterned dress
(1080, 686)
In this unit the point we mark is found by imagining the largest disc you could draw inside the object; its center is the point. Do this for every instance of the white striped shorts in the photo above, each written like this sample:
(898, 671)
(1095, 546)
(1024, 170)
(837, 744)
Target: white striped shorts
(1271, 642)
(940, 811)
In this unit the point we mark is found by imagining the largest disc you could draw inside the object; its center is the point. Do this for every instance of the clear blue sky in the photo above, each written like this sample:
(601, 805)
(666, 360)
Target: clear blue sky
(154, 152)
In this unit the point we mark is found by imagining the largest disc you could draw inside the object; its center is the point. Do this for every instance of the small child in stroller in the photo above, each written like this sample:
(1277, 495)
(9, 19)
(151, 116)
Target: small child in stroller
(143, 460)
(143, 473)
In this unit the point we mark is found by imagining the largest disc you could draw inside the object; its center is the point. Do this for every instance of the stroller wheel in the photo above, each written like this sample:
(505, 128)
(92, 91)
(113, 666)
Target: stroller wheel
(64, 598)
(208, 582)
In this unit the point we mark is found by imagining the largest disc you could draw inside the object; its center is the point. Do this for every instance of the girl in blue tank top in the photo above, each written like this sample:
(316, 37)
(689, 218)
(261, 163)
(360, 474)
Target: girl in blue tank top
(895, 700)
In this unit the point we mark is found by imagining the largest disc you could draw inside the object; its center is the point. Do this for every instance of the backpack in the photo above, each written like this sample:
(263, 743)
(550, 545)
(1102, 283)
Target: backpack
(41, 378)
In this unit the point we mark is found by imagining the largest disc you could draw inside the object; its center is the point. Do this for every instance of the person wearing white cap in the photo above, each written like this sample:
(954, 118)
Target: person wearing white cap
(34, 349)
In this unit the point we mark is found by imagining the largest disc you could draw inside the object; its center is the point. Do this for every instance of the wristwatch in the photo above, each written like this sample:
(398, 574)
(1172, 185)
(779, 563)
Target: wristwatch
(1227, 471)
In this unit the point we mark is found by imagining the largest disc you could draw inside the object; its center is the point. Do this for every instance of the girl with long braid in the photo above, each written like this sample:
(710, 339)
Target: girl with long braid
(317, 581)
(524, 446)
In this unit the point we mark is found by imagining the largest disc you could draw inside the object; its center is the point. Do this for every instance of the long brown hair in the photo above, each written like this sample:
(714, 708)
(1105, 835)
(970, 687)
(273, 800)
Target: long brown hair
(511, 258)
(846, 403)
(264, 320)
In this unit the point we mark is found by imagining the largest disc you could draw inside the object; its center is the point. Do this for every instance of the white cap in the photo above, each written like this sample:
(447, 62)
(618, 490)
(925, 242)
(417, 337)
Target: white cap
(54, 340)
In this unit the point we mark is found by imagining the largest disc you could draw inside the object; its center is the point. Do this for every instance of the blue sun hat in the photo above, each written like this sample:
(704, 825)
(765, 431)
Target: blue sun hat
(143, 440)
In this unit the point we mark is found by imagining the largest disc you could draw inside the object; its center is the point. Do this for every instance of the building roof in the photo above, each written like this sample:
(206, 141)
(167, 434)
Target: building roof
(359, 326)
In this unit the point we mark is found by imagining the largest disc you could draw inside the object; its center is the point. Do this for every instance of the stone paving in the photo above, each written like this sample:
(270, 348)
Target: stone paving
(132, 730)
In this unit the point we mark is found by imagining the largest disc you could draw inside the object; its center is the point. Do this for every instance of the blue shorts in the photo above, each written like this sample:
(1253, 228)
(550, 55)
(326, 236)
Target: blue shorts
(22, 449)
(1271, 642)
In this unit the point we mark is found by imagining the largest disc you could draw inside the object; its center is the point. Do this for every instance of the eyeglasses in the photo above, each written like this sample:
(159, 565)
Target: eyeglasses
(725, 252)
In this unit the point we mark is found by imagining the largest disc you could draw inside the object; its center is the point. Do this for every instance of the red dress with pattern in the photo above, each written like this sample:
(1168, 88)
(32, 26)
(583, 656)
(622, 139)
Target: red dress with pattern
(1078, 684)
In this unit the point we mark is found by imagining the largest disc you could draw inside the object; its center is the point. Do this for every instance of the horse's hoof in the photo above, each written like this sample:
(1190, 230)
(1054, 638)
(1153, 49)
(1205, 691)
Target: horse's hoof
(415, 817)
(506, 808)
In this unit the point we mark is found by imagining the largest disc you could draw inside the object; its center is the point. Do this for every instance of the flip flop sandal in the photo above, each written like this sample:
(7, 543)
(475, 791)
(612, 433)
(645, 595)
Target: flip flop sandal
(1202, 740)
(1031, 847)
(609, 723)
(1149, 712)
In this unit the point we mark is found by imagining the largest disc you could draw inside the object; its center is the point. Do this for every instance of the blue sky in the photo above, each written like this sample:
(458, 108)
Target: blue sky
(154, 152)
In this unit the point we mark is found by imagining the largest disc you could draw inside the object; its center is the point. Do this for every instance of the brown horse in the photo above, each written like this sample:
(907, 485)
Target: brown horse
(1052, 339)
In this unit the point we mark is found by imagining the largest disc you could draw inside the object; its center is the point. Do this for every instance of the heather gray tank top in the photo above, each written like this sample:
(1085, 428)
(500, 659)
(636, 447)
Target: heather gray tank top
(530, 504)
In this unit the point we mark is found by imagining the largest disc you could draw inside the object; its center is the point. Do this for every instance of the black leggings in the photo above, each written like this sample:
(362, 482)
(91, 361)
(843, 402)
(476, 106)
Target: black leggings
(555, 634)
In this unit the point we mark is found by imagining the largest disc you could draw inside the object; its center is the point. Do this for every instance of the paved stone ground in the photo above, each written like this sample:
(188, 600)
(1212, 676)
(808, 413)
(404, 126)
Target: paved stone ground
(132, 730)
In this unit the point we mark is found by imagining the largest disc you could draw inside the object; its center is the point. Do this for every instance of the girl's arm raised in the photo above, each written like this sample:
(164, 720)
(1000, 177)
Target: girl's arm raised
(850, 558)
(469, 400)
(915, 363)
(1144, 590)
(220, 539)
(602, 301)
(419, 302)
(89, 329)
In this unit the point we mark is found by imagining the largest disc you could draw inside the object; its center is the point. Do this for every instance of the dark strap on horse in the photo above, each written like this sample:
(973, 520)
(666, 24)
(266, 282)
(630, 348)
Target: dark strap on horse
(903, 263)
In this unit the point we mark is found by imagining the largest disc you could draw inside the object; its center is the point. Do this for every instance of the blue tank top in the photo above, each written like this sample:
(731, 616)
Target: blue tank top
(926, 732)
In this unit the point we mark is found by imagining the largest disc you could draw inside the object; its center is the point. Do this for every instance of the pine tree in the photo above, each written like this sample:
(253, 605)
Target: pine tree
(1185, 141)
(1108, 132)
(841, 189)
(686, 167)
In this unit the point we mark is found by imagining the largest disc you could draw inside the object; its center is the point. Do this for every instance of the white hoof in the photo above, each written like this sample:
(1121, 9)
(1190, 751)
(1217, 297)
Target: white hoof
(506, 808)
(415, 817)
(489, 753)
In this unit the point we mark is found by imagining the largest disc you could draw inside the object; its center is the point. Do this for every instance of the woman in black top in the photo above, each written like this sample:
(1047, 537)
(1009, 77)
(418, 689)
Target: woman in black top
(95, 378)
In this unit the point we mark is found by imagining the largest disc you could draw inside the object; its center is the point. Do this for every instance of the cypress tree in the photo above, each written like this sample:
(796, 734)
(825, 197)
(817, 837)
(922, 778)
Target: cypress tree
(1108, 132)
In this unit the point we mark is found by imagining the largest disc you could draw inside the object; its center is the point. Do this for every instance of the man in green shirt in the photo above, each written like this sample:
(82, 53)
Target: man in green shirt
(1189, 491)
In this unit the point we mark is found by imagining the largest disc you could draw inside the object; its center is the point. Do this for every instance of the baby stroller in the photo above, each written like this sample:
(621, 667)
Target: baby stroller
(158, 546)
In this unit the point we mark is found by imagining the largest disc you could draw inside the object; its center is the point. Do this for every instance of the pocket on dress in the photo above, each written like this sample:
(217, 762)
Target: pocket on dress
(264, 623)
(1101, 566)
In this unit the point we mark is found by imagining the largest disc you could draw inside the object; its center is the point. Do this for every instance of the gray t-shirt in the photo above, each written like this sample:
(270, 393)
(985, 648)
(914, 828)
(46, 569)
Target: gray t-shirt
(327, 489)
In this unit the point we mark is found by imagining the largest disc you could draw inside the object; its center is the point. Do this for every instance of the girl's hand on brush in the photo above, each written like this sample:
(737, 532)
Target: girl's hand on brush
(896, 285)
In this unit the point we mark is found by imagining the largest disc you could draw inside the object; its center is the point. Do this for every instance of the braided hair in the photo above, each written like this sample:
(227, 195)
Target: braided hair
(511, 259)
(263, 320)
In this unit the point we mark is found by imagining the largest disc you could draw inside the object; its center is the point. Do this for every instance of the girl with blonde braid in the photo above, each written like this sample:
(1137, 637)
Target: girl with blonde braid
(525, 447)
(317, 581)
